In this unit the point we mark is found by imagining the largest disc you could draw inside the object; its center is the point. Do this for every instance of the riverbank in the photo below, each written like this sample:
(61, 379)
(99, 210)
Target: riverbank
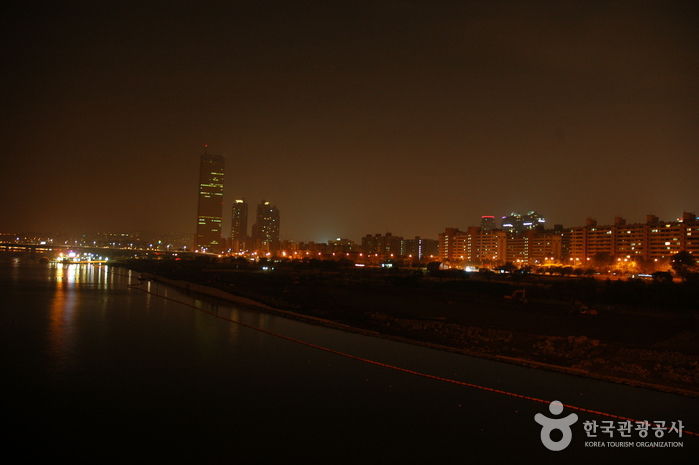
(657, 351)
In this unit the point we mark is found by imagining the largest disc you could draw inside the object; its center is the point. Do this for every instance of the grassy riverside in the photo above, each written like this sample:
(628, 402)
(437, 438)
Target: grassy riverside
(645, 333)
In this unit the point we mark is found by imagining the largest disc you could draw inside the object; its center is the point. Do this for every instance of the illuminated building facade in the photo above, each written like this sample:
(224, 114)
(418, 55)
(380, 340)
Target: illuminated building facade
(534, 247)
(210, 205)
(475, 246)
(585, 246)
(448, 244)
(652, 240)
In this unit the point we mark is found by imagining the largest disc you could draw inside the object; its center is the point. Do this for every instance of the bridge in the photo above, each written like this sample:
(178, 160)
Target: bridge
(74, 253)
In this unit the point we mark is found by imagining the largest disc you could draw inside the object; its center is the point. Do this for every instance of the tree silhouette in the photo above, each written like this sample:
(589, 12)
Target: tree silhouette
(682, 263)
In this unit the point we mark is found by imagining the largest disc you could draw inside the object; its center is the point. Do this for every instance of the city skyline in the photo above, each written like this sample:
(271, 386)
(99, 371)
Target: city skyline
(268, 212)
(353, 118)
(626, 248)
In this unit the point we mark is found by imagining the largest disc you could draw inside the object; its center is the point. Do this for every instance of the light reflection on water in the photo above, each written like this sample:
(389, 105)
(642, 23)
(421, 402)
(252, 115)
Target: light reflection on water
(93, 357)
(60, 331)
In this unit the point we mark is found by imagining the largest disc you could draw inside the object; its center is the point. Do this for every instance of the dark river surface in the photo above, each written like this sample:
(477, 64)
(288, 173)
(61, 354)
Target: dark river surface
(96, 371)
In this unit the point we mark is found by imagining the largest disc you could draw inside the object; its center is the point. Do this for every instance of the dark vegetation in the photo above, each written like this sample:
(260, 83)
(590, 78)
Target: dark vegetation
(300, 283)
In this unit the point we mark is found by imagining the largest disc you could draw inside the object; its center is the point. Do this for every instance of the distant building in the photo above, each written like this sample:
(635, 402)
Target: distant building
(517, 223)
(534, 247)
(210, 205)
(488, 223)
(239, 226)
(388, 244)
(419, 248)
(652, 240)
(265, 231)
(494, 248)
(512, 223)
(342, 244)
(474, 246)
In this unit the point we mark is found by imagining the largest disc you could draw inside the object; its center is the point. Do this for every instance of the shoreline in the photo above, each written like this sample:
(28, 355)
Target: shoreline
(517, 360)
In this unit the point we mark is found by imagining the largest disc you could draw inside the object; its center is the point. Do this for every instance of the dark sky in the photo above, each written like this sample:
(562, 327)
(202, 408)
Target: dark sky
(353, 117)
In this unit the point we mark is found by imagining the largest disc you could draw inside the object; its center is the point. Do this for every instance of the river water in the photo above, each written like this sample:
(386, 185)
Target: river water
(94, 369)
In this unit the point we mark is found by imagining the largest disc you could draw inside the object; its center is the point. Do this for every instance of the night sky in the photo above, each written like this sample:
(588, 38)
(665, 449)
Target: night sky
(352, 117)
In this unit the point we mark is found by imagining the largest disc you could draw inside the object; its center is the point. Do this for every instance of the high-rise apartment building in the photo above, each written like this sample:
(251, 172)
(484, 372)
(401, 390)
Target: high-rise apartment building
(266, 228)
(497, 247)
(584, 246)
(474, 245)
(652, 240)
(210, 205)
(419, 248)
(387, 244)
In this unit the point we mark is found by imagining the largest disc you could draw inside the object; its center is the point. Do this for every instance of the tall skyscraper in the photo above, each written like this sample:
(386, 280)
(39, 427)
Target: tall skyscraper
(210, 206)
(266, 229)
(239, 226)
(239, 220)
